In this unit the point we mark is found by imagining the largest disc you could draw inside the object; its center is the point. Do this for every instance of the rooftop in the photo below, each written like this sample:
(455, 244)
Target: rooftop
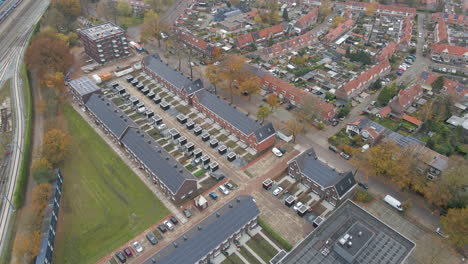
(372, 241)
(102, 31)
(209, 233)
(84, 86)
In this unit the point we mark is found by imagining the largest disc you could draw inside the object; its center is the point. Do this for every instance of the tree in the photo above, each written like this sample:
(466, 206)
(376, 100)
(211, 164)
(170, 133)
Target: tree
(232, 71)
(250, 85)
(273, 101)
(308, 111)
(387, 93)
(258, 19)
(454, 225)
(344, 111)
(378, 160)
(324, 9)
(263, 112)
(294, 127)
(41, 163)
(69, 8)
(234, 2)
(337, 20)
(438, 84)
(436, 194)
(48, 56)
(285, 14)
(213, 74)
(56, 81)
(124, 8)
(26, 246)
(107, 9)
(370, 9)
(40, 195)
(56, 144)
(152, 27)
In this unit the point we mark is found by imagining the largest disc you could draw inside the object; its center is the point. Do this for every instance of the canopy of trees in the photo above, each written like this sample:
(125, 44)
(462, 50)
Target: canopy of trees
(56, 144)
(455, 225)
(294, 127)
(232, 71)
(359, 56)
(263, 112)
(387, 93)
(273, 101)
(48, 56)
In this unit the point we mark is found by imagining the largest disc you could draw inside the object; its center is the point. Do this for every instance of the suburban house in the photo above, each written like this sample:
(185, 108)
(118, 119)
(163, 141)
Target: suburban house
(405, 98)
(358, 84)
(387, 52)
(450, 18)
(449, 54)
(349, 235)
(337, 32)
(307, 20)
(450, 86)
(288, 45)
(253, 133)
(213, 235)
(173, 178)
(331, 185)
(262, 35)
(429, 4)
(440, 33)
(244, 40)
(172, 79)
(382, 9)
(199, 45)
(82, 88)
(406, 31)
(49, 222)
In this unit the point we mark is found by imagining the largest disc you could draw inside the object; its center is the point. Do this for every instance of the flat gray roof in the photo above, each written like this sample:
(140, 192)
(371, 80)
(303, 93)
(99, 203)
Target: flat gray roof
(378, 242)
(102, 31)
(197, 243)
(84, 86)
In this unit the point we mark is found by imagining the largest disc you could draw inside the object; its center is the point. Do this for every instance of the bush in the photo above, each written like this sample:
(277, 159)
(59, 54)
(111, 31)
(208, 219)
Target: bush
(363, 196)
(285, 244)
(42, 175)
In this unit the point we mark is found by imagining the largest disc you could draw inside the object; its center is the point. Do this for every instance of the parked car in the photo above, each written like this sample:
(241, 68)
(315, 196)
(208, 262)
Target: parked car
(187, 213)
(169, 225)
(128, 252)
(153, 260)
(121, 257)
(334, 122)
(393, 202)
(277, 191)
(277, 152)
(137, 246)
(174, 220)
(363, 185)
(162, 228)
(298, 205)
(162, 126)
(290, 107)
(346, 156)
(283, 150)
(223, 190)
(333, 148)
(213, 196)
(229, 185)
(152, 238)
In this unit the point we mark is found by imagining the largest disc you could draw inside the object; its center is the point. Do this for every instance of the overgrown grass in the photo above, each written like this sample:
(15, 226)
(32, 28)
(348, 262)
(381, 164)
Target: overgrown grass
(232, 259)
(199, 173)
(262, 247)
(104, 204)
(284, 244)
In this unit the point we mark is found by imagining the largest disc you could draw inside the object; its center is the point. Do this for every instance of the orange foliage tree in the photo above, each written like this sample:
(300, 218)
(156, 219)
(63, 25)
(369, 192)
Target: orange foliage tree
(48, 56)
(273, 101)
(55, 146)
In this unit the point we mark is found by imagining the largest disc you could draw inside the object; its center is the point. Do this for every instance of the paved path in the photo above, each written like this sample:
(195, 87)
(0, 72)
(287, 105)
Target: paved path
(269, 240)
(241, 257)
(254, 254)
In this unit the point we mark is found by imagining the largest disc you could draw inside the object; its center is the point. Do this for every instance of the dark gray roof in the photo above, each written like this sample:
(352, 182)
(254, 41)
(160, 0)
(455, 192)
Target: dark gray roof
(321, 173)
(109, 114)
(214, 231)
(102, 31)
(84, 86)
(232, 116)
(378, 243)
(156, 65)
(157, 159)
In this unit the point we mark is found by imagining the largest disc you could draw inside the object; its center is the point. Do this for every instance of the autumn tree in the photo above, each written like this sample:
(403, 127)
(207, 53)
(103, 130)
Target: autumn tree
(294, 127)
(337, 20)
(250, 85)
(213, 74)
(157, 5)
(324, 9)
(48, 56)
(152, 27)
(273, 101)
(40, 195)
(56, 81)
(124, 8)
(378, 160)
(309, 110)
(232, 72)
(370, 9)
(263, 112)
(41, 163)
(455, 225)
(107, 9)
(258, 19)
(26, 246)
(285, 14)
(56, 144)
(438, 84)
(71, 9)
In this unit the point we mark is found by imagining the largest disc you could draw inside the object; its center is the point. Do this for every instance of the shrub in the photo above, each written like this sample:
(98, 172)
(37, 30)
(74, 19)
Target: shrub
(363, 196)
(285, 244)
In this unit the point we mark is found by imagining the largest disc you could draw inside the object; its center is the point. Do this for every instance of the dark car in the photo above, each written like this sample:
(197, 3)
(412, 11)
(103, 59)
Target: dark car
(345, 155)
(121, 257)
(128, 252)
(152, 238)
(213, 196)
(174, 220)
(333, 148)
(229, 185)
(363, 185)
(290, 107)
(282, 150)
(187, 213)
(153, 260)
(334, 122)
(162, 228)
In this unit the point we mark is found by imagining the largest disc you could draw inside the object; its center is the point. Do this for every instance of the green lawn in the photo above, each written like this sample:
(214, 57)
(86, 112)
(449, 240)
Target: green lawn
(231, 144)
(389, 123)
(104, 203)
(248, 256)
(233, 259)
(222, 137)
(183, 109)
(262, 247)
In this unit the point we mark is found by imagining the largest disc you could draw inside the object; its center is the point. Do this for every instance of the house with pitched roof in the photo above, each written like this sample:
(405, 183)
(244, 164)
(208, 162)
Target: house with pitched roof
(337, 32)
(387, 52)
(382, 9)
(450, 86)
(288, 45)
(262, 35)
(449, 54)
(405, 98)
(405, 34)
(449, 18)
(82, 88)
(307, 20)
(440, 33)
(199, 45)
(331, 185)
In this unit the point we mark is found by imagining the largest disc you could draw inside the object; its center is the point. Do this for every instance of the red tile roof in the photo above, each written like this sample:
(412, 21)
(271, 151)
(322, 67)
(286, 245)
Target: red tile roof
(450, 85)
(451, 18)
(307, 19)
(266, 33)
(406, 97)
(449, 49)
(387, 52)
(441, 31)
(244, 40)
(412, 120)
(339, 30)
(406, 30)
(383, 8)
(251, 14)
(383, 112)
(366, 77)
(290, 44)
(193, 41)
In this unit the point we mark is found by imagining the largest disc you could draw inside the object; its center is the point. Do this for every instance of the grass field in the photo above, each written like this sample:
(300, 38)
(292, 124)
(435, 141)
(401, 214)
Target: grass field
(262, 247)
(104, 203)
(233, 259)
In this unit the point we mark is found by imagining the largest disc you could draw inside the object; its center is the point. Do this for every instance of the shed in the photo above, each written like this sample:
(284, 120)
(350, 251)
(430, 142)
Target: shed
(190, 125)
(197, 153)
(197, 130)
(114, 84)
(189, 147)
(214, 143)
(129, 78)
(317, 221)
(174, 133)
(290, 201)
(140, 105)
(134, 100)
(182, 118)
(214, 166)
(267, 184)
(134, 82)
(140, 86)
(222, 149)
(302, 210)
(157, 99)
(151, 95)
(205, 159)
(157, 119)
(231, 156)
(145, 91)
(149, 113)
(164, 106)
(283, 135)
(205, 136)
(120, 90)
(182, 140)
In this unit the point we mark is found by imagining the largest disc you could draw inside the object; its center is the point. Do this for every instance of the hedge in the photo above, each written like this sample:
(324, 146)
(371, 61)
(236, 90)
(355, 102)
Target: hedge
(285, 244)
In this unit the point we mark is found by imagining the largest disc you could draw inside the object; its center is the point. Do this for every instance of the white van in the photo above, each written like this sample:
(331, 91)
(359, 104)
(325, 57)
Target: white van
(393, 202)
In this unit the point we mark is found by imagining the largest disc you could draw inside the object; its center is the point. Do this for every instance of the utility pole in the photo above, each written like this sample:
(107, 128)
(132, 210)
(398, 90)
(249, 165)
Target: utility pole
(9, 202)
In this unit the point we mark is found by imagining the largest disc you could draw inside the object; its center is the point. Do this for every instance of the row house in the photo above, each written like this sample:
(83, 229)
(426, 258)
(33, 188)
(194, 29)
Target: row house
(329, 184)
(449, 53)
(214, 235)
(82, 88)
(307, 20)
(450, 86)
(429, 4)
(199, 45)
(440, 33)
(170, 78)
(289, 45)
(256, 135)
(137, 5)
(405, 34)
(262, 35)
(450, 18)
(405, 98)
(337, 32)
(382, 9)
(358, 84)
(173, 178)
(387, 52)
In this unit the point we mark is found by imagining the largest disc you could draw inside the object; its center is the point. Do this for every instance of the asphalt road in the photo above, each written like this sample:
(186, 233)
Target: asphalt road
(15, 32)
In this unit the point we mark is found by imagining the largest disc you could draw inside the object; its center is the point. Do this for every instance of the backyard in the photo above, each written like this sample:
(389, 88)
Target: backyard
(262, 247)
(104, 203)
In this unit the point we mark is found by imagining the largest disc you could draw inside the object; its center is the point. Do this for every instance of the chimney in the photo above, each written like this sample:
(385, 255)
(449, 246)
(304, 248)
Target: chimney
(230, 205)
(175, 244)
(185, 237)
(199, 227)
(218, 214)
(238, 200)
